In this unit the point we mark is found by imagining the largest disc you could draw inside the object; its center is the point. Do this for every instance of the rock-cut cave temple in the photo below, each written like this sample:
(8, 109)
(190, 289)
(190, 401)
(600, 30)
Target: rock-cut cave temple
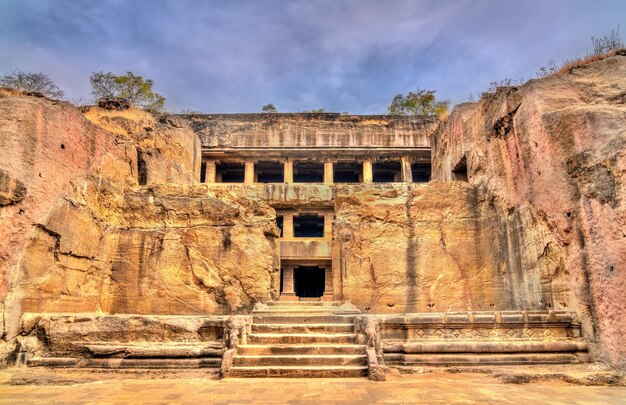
(318, 244)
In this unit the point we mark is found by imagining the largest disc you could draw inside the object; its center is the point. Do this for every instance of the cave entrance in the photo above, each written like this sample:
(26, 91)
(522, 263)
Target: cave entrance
(308, 281)
(459, 173)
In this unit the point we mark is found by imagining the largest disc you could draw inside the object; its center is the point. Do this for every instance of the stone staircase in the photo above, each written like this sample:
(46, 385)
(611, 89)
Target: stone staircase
(301, 339)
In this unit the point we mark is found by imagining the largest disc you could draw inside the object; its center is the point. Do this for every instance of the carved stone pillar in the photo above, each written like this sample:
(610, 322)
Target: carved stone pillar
(407, 174)
(249, 172)
(328, 284)
(328, 172)
(328, 226)
(288, 291)
(209, 171)
(368, 175)
(288, 225)
(288, 171)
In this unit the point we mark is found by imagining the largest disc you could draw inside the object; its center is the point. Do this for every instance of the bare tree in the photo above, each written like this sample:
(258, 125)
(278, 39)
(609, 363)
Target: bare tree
(31, 82)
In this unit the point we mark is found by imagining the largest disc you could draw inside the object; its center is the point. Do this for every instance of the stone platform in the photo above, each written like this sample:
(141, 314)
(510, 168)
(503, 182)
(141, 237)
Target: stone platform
(301, 339)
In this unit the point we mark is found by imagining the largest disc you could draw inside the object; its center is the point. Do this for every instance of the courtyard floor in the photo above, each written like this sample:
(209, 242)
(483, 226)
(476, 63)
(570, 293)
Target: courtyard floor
(25, 386)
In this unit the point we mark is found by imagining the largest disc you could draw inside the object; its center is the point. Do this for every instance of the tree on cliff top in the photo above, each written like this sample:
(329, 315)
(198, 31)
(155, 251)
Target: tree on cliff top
(419, 102)
(131, 87)
(31, 82)
(269, 108)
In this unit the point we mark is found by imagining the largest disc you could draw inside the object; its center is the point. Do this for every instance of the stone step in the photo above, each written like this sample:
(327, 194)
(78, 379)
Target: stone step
(300, 372)
(479, 359)
(296, 338)
(294, 310)
(337, 349)
(302, 303)
(287, 328)
(123, 363)
(300, 360)
(301, 319)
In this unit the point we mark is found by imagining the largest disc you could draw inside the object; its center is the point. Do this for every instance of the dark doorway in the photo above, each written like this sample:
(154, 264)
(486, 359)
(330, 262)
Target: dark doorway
(270, 172)
(308, 281)
(386, 172)
(420, 172)
(347, 172)
(229, 172)
(308, 226)
(308, 172)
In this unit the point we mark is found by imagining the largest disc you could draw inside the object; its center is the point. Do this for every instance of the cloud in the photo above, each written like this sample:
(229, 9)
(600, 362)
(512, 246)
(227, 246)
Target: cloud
(350, 55)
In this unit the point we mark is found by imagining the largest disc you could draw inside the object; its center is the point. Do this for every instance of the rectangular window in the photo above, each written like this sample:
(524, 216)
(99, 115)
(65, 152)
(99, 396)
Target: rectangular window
(308, 226)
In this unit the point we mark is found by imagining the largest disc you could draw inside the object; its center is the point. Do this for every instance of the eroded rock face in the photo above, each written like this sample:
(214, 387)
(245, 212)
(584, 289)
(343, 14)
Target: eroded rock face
(556, 147)
(436, 247)
(80, 234)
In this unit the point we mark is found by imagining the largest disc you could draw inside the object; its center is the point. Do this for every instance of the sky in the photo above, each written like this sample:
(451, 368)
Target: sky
(342, 55)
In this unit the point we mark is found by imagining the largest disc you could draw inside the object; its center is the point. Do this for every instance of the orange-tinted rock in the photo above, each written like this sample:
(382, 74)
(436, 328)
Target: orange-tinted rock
(556, 147)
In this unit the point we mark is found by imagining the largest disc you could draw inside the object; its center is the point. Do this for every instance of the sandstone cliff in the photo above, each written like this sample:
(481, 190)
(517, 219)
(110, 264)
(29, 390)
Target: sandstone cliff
(552, 155)
(105, 218)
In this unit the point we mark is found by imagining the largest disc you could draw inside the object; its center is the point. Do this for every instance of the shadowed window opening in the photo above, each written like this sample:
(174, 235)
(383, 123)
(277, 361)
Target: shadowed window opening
(308, 226)
(308, 281)
(308, 172)
(347, 172)
(420, 172)
(203, 172)
(386, 172)
(229, 172)
(142, 170)
(459, 172)
(279, 224)
(269, 172)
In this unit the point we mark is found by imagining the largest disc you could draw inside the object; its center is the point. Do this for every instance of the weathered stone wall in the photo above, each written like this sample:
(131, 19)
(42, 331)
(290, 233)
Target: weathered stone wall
(430, 248)
(310, 130)
(555, 148)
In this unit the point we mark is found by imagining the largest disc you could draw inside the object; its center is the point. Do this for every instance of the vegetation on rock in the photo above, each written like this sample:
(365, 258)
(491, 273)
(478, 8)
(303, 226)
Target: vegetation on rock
(28, 82)
(419, 102)
(134, 88)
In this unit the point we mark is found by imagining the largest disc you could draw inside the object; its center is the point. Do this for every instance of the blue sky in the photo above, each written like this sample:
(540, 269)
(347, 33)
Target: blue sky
(344, 55)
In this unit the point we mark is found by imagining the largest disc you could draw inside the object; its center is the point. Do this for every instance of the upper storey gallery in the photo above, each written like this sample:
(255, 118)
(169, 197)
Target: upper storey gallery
(313, 148)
